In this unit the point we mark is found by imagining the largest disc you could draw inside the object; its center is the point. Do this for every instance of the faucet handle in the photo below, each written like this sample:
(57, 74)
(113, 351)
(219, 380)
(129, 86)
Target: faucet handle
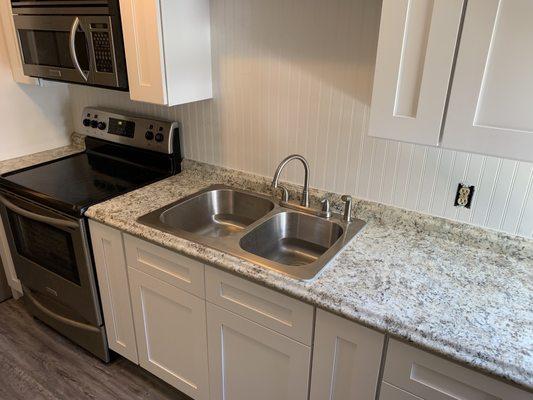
(326, 212)
(347, 207)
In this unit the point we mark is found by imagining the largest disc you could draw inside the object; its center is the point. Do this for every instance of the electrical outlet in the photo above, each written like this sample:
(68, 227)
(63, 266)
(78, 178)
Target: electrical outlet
(464, 196)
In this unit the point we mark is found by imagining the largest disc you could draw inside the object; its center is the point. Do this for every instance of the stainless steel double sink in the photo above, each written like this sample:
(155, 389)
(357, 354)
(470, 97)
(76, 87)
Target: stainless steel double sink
(254, 227)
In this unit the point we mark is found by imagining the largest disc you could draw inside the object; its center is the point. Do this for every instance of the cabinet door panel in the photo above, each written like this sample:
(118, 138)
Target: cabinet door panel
(492, 91)
(112, 273)
(346, 359)
(389, 392)
(171, 333)
(143, 45)
(249, 361)
(417, 42)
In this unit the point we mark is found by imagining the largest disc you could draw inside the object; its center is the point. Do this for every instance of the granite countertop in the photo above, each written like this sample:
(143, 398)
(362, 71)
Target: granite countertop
(14, 164)
(454, 289)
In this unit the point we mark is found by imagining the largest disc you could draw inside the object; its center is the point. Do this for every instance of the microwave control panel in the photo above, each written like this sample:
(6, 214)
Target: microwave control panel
(103, 56)
(144, 133)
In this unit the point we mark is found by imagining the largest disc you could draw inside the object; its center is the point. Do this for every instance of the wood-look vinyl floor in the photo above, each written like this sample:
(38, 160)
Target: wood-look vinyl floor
(37, 363)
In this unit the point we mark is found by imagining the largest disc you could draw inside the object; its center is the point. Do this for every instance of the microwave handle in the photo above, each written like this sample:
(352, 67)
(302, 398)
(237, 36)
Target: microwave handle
(73, 30)
(37, 217)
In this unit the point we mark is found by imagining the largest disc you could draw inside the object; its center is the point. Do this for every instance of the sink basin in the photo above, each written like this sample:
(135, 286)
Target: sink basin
(216, 213)
(292, 239)
(254, 228)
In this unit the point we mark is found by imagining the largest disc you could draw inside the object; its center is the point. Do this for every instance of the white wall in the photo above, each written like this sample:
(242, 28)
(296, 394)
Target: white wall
(32, 118)
(296, 76)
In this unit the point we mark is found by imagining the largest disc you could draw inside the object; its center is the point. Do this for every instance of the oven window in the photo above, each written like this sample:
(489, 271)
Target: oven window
(45, 245)
(51, 48)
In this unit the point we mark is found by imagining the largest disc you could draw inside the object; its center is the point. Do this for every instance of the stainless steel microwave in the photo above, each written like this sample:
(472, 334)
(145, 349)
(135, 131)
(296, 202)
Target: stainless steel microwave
(78, 41)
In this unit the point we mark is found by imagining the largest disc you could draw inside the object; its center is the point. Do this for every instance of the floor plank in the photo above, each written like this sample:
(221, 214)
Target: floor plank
(37, 363)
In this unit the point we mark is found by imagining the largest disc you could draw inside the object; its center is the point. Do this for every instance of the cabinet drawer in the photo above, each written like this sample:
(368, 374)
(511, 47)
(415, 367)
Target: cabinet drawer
(166, 265)
(267, 307)
(389, 392)
(434, 378)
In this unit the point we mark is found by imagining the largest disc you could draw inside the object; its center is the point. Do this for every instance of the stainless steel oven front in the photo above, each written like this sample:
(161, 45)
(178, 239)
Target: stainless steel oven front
(52, 259)
(85, 49)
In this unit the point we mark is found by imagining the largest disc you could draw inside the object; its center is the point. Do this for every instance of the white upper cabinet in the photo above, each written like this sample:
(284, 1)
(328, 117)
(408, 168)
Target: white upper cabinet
(168, 50)
(490, 110)
(417, 42)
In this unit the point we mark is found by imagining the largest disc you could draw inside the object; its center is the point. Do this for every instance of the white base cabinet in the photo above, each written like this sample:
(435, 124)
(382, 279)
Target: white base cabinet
(108, 249)
(346, 359)
(429, 377)
(248, 361)
(171, 333)
(250, 342)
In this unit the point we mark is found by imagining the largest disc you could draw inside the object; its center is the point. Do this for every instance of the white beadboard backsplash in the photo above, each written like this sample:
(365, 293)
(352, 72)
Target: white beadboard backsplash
(295, 76)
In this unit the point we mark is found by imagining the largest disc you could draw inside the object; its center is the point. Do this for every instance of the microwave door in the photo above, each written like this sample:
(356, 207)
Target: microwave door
(54, 47)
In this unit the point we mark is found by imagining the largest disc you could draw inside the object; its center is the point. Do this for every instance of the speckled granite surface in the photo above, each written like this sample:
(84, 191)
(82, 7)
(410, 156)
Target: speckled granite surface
(14, 164)
(457, 290)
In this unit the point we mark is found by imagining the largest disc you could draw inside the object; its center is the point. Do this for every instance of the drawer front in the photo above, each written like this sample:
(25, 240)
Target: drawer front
(267, 307)
(389, 392)
(166, 265)
(434, 378)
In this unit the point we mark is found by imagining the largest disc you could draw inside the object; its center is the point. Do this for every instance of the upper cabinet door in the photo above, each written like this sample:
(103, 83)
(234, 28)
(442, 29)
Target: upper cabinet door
(490, 110)
(168, 50)
(143, 44)
(416, 50)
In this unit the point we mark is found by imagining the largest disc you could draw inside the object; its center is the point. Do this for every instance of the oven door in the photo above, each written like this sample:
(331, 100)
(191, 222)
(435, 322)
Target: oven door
(52, 258)
(68, 48)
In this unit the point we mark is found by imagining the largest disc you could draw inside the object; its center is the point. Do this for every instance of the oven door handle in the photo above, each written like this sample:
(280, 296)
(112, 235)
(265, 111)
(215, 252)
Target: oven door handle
(73, 30)
(57, 317)
(36, 217)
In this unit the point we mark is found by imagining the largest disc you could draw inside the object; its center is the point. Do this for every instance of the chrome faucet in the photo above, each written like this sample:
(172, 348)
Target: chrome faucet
(305, 193)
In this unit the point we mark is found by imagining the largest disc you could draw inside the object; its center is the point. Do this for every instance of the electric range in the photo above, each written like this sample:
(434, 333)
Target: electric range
(43, 207)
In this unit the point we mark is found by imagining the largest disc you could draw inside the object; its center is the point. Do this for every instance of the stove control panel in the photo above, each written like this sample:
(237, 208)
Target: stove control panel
(141, 132)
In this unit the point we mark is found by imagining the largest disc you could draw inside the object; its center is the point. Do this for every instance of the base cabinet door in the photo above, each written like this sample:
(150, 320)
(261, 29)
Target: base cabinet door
(108, 249)
(248, 361)
(170, 325)
(346, 359)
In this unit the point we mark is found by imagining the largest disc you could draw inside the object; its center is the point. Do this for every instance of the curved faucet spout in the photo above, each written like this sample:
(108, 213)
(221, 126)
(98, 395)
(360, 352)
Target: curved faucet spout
(275, 181)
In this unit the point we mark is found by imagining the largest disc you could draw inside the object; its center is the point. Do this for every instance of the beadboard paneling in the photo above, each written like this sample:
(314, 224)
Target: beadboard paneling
(295, 76)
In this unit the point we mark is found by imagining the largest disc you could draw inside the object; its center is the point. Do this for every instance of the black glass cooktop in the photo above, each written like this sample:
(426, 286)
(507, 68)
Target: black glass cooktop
(74, 183)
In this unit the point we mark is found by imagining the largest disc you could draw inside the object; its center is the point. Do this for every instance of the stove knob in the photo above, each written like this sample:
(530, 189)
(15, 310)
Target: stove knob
(159, 137)
(149, 135)
(86, 122)
(102, 125)
(94, 123)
